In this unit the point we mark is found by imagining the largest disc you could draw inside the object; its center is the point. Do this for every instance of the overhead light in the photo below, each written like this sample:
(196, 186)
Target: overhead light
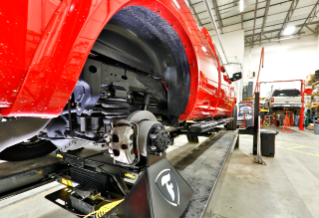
(241, 5)
(289, 30)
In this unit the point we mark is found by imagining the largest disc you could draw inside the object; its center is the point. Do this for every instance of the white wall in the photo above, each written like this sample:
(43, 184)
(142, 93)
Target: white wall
(234, 48)
(289, 59)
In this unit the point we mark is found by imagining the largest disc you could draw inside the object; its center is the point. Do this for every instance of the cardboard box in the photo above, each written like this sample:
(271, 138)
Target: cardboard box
(309, 78)
(311, 126)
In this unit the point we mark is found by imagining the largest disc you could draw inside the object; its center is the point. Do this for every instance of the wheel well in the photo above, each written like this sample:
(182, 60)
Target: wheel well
(140, 38)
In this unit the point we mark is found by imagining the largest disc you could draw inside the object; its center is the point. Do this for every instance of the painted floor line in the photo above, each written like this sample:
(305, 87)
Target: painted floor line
(316, 155)
(292, 148)
(50, 191)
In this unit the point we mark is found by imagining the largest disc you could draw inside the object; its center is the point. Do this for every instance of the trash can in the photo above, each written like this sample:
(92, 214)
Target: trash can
(317, 128)
(267, 142)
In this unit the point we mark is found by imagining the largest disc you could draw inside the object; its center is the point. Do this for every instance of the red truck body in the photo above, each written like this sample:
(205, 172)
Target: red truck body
(44, 45)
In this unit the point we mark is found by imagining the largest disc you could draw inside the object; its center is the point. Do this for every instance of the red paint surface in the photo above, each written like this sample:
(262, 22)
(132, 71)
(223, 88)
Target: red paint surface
(308, 91)
(45, 43)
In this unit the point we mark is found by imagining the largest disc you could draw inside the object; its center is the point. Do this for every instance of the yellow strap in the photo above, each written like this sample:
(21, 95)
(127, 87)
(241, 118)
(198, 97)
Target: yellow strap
(106, 208)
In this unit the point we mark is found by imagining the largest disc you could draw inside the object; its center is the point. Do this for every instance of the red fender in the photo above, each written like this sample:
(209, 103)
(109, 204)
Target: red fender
(42, 86)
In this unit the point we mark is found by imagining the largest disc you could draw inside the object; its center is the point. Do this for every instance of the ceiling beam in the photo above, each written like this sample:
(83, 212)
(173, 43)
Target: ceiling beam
(259, 8)
(202, 2)
(242, 20)
(261, 17)
(254, 23)
(265, 19)
(266, 38)
(311, 16)
(310, 29)
(276, 30)
(270, 25)
(248, 42)
(194, 12)
(291, 10)
(275, 39)
(218, 15)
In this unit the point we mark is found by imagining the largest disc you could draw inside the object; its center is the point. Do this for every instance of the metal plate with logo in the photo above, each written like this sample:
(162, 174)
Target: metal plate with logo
(170, 193)
(167, 185)
(160, 192)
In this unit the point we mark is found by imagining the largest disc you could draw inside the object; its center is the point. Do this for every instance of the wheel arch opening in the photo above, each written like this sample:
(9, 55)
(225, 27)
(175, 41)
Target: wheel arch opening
(141, 38)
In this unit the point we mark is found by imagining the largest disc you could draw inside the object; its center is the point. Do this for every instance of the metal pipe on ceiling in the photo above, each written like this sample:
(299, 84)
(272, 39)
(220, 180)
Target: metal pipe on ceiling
(219, 57)
(278, 40)
(208, 7)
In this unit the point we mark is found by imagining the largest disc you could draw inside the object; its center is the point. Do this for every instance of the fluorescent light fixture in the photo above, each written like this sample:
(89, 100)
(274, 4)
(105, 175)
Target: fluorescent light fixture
(289, 30)
(241, 5)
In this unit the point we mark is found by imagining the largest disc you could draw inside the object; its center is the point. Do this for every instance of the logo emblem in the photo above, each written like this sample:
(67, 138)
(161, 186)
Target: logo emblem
(167, 185)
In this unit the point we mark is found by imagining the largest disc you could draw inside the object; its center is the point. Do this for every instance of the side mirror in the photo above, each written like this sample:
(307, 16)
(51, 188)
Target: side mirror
(236, 76)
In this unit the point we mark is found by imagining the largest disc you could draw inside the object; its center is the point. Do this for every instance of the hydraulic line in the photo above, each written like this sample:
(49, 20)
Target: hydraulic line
(261, 65)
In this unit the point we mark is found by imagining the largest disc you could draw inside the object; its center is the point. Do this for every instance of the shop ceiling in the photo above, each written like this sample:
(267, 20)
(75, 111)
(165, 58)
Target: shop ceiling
(263, 21)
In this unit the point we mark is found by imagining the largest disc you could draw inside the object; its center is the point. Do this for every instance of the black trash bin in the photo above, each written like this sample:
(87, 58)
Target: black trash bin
(268, 142)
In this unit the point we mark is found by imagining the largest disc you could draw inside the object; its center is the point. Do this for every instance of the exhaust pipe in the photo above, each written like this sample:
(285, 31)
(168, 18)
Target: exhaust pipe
(15, 131)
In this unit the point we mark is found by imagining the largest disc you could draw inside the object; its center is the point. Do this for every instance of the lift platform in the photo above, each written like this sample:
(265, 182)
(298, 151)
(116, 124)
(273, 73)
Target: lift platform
(197, 179)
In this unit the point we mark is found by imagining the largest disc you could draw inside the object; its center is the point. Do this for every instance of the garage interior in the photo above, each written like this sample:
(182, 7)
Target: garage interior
(265, 167)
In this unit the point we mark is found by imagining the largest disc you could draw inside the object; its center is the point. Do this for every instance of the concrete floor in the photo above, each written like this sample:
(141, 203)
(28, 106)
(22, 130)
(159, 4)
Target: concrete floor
(287, 187)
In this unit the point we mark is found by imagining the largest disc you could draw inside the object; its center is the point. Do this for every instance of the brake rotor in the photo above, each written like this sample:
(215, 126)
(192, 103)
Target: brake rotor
(130, 137)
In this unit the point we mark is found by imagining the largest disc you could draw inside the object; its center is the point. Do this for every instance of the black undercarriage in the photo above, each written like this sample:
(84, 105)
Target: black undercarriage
(136, 64)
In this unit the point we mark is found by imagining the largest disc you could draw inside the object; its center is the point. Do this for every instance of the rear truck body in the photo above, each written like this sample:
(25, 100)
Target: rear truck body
(286, 102)
(288, 99)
